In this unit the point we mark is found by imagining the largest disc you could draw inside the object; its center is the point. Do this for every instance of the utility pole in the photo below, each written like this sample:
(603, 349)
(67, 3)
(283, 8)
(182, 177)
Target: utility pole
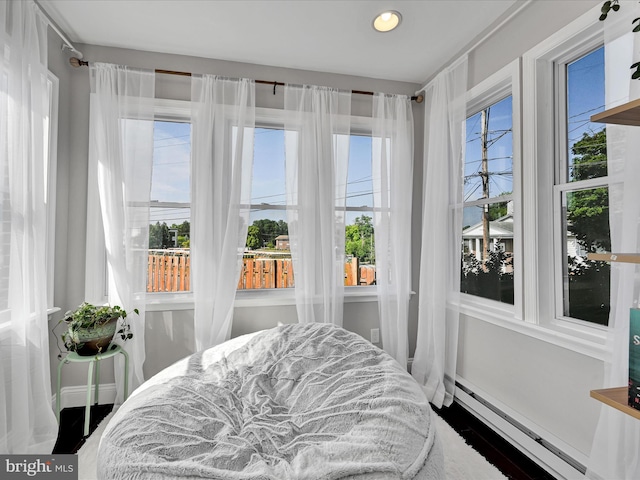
(484, 174)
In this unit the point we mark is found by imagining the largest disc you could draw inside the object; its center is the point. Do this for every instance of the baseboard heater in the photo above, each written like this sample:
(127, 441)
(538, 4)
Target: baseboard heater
(563, 456)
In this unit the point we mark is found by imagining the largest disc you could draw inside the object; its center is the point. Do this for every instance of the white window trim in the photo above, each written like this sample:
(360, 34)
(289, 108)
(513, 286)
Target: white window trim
(500, 85)
(541, 146)
(96, 275)
(52, 171)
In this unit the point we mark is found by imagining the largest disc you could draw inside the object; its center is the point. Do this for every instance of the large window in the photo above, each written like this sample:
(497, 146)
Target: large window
(581, 192)
(267, 260)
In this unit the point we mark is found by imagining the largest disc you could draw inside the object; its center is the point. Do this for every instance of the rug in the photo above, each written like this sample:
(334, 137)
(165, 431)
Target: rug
(461, 462)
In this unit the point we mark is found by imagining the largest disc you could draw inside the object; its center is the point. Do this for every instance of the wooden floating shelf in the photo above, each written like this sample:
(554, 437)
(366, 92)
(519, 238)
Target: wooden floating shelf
(616, 398)
(627, 114)
(615, 257)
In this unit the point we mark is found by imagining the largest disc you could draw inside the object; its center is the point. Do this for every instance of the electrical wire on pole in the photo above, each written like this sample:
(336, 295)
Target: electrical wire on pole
(484, 175)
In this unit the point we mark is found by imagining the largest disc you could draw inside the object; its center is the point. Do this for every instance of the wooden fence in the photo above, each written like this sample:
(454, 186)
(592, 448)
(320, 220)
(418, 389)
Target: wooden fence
(169, 271)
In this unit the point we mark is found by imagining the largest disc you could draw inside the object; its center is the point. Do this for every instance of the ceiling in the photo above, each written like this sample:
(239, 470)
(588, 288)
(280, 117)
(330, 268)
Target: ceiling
(318, 35)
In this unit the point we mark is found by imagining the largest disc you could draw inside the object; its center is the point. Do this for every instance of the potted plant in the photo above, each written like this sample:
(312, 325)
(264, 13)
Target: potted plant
(91, 328)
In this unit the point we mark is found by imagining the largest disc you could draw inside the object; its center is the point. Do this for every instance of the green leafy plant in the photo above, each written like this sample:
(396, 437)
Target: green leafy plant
(613, 5)
(607, 7)
(98, 321)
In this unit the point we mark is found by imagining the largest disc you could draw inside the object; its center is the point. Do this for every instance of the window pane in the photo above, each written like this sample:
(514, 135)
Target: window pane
(267, 262)
(359, 242)
(170, 213)
(171, 178)
(586, 229)
(488, 271)
(488, 169)
(586, 141)
(487, 229)
(267, 259)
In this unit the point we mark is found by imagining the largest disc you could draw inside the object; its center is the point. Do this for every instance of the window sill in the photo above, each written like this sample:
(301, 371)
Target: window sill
(255, 298)
(585, 341)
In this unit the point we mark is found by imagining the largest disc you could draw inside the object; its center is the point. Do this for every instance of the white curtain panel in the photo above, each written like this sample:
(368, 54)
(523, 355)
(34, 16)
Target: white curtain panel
(317, 135)
(223, 124)
(392, 167)
(616, 448)
(121, 151)
(434, 363)
(27, 421)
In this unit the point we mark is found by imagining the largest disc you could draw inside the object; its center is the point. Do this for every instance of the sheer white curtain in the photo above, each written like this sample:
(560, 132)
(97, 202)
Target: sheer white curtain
(434, 364)
(616, 448)
(223, 124)
(121, 154)
(27, 421)
(317, 134)
(392, 167)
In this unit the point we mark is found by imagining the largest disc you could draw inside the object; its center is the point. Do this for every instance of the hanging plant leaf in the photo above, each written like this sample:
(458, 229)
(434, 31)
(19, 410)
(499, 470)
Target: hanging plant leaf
(615, 6)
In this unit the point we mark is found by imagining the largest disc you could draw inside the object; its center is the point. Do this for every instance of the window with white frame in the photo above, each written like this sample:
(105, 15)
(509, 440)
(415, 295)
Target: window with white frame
(490, 228)
(581, 191)
(487, 232)
(50, 162)
(267, 263)
(565, 207)
(49, 159)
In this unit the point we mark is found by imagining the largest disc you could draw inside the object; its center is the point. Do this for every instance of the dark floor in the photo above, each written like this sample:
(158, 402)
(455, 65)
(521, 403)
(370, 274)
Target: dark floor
(489, 444)
(70, 437)
(507, 458)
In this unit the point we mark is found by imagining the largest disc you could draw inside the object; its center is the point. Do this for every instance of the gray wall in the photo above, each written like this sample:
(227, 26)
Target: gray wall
(169, 334)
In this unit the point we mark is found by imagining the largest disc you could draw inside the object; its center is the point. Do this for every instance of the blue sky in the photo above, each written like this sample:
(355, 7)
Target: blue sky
(585, 96)
(171, 182)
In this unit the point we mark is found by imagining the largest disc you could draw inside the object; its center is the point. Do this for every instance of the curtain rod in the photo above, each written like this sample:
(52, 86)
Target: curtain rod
(66, 42)
(76, 62)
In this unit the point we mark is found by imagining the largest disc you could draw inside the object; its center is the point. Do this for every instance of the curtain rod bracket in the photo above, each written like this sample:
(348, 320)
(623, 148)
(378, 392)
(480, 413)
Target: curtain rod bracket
(76, 62)
(275, 84)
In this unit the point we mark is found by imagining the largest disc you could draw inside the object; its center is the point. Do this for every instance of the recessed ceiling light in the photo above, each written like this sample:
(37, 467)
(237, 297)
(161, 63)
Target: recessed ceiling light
(387, 21)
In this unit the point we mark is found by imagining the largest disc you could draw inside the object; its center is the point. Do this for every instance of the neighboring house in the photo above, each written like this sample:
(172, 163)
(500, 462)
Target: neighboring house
(282, 242)
(500, 233)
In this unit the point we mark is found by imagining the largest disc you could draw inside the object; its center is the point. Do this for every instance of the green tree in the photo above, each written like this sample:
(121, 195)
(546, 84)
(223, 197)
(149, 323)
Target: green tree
(588, 210)
(253, 237)
(588, 220)
(498, 210)
(159, 235)
(266, 233)
(184, 231)
(359, 240)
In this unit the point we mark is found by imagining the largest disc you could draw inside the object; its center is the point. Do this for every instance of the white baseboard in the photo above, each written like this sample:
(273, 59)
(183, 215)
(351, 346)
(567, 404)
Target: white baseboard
(76, 396)
(557, 457)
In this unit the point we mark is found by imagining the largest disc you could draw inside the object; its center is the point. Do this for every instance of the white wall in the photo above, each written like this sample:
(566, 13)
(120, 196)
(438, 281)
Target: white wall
(169, 334)
(546, 384)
